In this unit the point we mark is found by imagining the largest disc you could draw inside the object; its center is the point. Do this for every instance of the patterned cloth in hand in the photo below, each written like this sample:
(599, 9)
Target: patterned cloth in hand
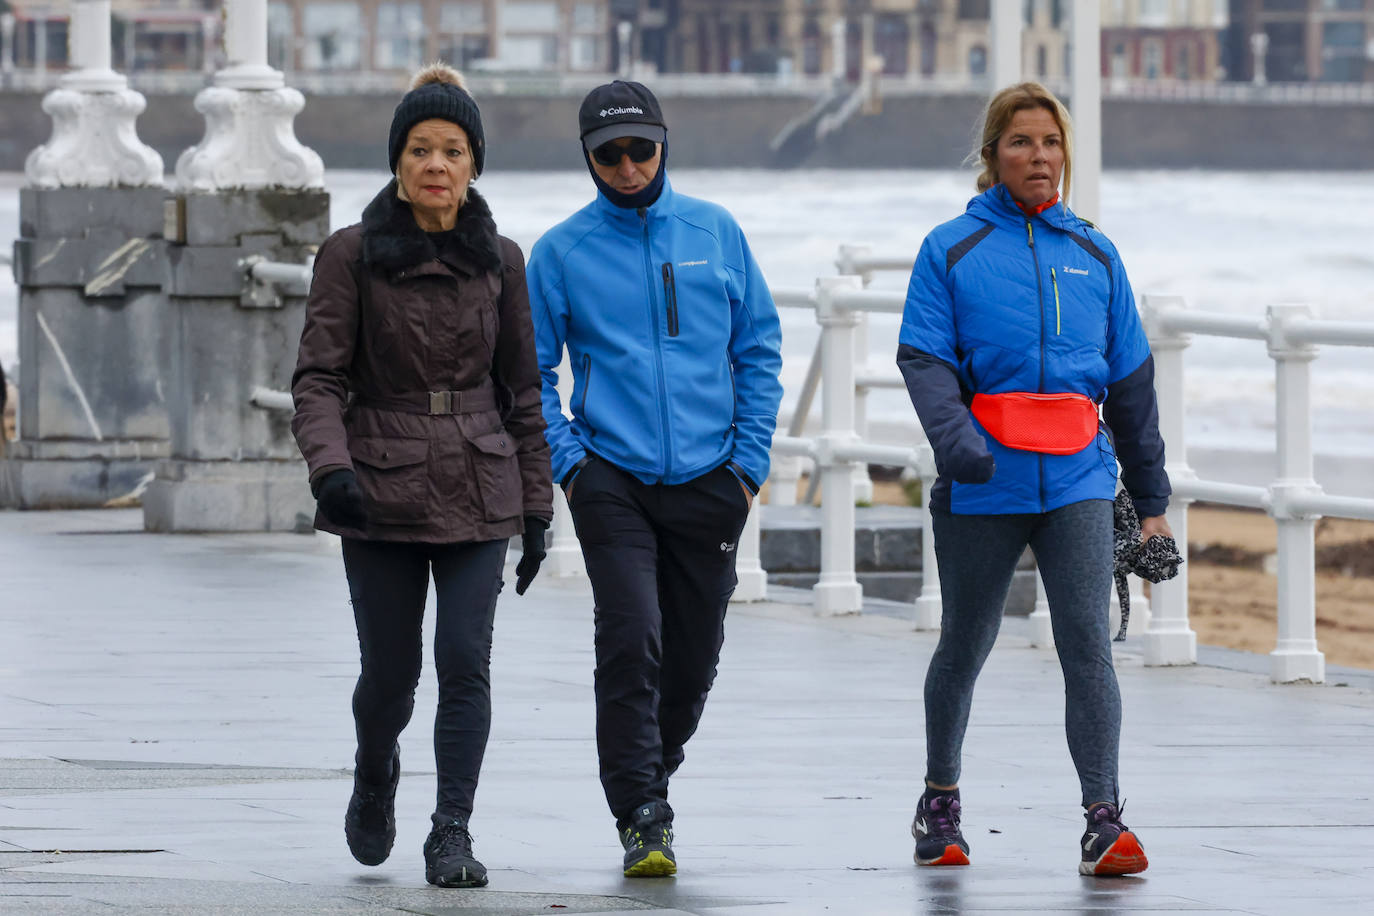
(1154, 561)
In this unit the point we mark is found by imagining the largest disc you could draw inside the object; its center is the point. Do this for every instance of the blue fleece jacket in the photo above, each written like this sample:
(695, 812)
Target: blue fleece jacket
(672, 336)
(1000, 301)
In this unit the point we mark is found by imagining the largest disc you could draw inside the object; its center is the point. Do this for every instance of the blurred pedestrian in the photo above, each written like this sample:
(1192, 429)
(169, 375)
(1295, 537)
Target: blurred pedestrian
(674, 345)
(1019, 323)
(418, 412)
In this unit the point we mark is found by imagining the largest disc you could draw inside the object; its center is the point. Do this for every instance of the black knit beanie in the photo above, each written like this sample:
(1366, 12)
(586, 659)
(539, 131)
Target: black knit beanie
(437, 92)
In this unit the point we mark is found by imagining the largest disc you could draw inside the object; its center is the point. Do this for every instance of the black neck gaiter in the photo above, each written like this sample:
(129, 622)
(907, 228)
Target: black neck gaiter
(641, 198)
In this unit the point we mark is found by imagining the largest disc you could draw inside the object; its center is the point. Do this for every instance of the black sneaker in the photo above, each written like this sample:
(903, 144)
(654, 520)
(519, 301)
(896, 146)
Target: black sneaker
(936, 829)
(370, 822)
(448, 855)
(1109, 847)
(648, 842)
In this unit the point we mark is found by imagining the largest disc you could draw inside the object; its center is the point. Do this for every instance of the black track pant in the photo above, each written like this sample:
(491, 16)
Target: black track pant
(388, 581)
(661, 560)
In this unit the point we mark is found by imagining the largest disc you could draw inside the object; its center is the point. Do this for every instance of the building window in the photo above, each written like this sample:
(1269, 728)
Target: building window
(463, 38)
(333, 36)
(1183, 62)
(280, 36)
(1343, 52)
(1154, 13)
(974, 9)
(978, 60)
(1152, 59)
(400, 36)
(1042, 60)
(531, 35)
(587, 45)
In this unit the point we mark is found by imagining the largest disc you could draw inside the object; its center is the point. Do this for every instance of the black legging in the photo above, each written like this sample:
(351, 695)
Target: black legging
(388, 582)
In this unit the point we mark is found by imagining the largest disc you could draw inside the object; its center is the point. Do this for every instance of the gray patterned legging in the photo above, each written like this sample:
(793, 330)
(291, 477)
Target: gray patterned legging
(977, 556)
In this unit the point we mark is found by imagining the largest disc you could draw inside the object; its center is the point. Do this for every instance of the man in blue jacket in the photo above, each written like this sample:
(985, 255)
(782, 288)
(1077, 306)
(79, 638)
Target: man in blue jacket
(673, 342)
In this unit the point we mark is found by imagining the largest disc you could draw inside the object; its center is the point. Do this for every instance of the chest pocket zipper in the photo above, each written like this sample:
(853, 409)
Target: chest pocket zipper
(670, 298)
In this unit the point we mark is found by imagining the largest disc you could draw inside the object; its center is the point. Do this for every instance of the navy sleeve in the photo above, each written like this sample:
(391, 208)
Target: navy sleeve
(1132, 414)
(961, 453)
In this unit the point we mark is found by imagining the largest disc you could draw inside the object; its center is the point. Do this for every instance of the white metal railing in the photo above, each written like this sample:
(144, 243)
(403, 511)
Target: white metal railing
(1294, 498)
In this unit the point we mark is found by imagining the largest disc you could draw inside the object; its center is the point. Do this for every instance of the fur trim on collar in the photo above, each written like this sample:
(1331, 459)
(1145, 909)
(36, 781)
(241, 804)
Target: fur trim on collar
(393, 241)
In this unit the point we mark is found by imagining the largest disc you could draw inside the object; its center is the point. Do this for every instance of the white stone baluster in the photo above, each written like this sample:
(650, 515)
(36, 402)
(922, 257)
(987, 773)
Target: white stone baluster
(93, 143)
(250, 139)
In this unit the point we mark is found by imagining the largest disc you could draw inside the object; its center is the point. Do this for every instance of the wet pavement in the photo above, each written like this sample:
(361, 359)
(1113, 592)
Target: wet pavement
(175, 737)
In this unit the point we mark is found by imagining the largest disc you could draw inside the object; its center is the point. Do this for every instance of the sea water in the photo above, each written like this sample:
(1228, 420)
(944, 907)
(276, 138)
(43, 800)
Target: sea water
(1233, 242)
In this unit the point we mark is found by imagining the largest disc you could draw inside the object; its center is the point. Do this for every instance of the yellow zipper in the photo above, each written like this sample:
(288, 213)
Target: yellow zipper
(1054, 281)
(1030, 236)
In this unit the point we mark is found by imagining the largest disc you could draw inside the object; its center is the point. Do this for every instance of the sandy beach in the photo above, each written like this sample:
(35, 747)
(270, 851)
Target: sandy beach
(1232, 587)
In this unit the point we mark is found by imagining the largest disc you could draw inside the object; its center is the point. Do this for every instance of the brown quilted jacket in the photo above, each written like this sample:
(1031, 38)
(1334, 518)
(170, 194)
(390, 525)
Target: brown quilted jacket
(392, 318)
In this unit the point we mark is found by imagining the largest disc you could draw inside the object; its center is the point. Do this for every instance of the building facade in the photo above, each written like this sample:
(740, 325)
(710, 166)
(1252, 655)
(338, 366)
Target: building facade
(1298, 41)
(1175, 40)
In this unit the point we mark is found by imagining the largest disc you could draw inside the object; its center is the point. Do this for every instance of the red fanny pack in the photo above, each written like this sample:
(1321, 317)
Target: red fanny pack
(1053, 424)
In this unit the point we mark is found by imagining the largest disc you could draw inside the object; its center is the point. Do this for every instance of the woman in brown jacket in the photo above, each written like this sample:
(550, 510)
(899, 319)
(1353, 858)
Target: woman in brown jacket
(417, 397)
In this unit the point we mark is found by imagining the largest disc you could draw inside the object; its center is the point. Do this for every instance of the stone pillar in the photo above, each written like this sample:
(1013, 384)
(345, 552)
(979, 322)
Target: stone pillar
(249, 190)
(88, 264)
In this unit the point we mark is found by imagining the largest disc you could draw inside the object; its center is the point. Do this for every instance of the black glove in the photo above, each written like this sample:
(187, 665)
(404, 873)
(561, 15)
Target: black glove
(341, 499)
(533, 552)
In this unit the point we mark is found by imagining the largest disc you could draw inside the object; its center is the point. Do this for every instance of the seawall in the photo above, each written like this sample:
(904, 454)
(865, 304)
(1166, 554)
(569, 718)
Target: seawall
(913, 131)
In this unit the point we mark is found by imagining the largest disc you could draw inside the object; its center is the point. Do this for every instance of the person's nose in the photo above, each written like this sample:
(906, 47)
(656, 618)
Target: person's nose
(626, 168)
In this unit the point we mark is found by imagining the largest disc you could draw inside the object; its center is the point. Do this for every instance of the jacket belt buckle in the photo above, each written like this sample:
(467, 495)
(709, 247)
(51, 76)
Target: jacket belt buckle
(440, 402)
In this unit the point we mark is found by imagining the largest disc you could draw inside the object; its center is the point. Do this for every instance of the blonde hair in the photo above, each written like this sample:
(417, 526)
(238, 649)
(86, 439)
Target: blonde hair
(1002, 107)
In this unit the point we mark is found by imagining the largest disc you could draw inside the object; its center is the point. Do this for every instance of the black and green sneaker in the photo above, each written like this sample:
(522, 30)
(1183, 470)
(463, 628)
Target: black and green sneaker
(648, 842)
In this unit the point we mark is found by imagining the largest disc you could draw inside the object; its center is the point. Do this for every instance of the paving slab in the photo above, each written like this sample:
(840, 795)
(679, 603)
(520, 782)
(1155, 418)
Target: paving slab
(175, 737)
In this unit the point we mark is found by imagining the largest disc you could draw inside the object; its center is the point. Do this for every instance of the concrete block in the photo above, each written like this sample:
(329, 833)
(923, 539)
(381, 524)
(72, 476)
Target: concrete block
(298, 217)
(218, 353)
(90, 483)
(91, 372)
(189, 496)
(76, 212)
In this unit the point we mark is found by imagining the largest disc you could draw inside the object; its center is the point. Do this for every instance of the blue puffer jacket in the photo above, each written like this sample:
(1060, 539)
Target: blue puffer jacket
(672, 335)
(999, 302)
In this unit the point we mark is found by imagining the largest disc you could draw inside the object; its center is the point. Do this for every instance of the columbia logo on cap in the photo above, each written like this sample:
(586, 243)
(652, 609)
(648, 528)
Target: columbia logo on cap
(607, 112)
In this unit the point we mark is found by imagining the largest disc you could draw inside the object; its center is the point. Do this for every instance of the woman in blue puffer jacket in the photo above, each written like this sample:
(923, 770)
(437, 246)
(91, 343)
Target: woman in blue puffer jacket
(1019, 324)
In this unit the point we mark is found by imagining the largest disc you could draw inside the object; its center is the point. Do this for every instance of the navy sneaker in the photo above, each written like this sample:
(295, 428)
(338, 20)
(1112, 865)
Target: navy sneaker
(370, 822)
(936, 829)
(448, 855)
(648, 842)
(1109, 847)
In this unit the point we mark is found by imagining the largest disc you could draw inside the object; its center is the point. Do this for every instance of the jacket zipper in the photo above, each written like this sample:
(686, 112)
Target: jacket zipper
(1054, 281)
(1040, 307)
(670, 297)
(658, 352)
(586, 387)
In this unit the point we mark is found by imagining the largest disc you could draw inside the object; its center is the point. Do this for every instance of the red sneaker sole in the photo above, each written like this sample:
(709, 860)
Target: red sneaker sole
(1124, 857)
(952, 855)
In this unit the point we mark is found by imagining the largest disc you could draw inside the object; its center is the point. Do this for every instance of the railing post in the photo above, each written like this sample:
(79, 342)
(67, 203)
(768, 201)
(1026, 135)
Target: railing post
(1169, 640)
(1042, 631)
(783, 480)
(565, 553)
(929, 604)
(837, 591)
(752, 581)
(863, 483)
(1295, 657)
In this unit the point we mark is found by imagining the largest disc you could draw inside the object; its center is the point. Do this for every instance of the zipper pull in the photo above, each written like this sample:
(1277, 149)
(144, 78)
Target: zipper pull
(1030, 235)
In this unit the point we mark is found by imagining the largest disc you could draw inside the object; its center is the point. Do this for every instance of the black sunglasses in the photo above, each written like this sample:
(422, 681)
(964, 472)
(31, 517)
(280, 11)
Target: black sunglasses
(638, 149)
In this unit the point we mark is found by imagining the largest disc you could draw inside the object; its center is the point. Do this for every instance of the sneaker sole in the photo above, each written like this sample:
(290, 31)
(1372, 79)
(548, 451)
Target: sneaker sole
(463, 880)
(366, 850)
(654, 865)
(1124, 857)
(953, 855)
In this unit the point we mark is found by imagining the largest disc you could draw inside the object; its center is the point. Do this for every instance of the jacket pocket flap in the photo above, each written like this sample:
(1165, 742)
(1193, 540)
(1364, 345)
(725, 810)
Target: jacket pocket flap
(386, 452)
(499, 443)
